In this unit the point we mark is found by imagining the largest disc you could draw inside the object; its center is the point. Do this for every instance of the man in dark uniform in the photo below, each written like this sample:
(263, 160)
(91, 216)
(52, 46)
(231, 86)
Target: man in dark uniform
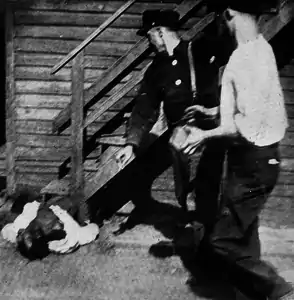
(168, 81)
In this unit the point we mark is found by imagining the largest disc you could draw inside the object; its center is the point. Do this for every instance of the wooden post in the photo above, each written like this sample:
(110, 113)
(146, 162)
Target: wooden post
(10, 103)
(77, 119)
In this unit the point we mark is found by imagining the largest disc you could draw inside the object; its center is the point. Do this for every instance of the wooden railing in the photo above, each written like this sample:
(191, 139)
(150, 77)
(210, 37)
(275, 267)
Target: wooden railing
(80, 97)
(77, 101)
(63, 118)
(91, 37)
(108, 167)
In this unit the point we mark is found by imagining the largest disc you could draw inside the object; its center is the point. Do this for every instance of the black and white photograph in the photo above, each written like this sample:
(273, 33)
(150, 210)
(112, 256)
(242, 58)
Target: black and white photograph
(147, 150)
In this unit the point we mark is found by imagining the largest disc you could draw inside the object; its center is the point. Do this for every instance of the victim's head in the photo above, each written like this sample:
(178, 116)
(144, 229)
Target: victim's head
(33, 241)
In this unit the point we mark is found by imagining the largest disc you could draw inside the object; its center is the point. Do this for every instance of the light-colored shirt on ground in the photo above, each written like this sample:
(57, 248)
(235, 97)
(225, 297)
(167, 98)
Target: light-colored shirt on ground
(82, 234)
(251, 78)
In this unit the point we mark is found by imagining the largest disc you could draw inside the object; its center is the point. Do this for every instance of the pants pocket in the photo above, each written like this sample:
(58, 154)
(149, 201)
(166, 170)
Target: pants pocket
(269, 173)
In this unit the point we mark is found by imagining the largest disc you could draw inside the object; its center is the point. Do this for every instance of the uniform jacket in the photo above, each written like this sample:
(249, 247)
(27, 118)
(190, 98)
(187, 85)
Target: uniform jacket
(168, 80)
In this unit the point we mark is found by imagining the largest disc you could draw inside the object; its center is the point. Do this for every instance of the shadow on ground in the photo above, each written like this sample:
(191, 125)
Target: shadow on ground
(168, 219)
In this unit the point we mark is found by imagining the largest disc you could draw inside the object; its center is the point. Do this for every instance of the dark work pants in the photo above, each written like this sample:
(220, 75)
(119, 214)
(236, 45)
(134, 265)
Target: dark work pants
(181, 172)
(252, 173)
(145, 170)
(207, 180)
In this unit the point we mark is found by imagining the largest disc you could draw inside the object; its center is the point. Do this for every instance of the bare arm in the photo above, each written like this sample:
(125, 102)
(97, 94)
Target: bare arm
(227, 110)
(227, 125)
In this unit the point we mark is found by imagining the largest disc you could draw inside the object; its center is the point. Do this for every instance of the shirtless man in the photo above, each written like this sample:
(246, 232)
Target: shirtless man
(253, 121)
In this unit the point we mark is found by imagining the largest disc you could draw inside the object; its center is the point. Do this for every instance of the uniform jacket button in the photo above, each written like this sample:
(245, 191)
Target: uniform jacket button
(174, 62)
(212, 59)
(225, 211)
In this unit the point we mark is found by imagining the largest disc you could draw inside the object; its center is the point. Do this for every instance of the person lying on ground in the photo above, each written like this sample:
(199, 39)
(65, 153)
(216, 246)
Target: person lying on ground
(59, 225)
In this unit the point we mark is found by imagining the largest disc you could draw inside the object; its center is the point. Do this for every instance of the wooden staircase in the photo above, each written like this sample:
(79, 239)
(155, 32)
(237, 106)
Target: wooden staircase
(119, 68)
(107, 167)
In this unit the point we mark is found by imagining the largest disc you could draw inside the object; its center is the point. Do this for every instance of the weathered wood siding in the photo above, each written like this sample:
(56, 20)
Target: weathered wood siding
(44, 32)
(2, 75)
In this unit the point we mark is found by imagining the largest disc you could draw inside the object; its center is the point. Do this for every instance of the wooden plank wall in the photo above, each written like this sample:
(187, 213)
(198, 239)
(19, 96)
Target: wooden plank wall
(45, 31)
(2, 75)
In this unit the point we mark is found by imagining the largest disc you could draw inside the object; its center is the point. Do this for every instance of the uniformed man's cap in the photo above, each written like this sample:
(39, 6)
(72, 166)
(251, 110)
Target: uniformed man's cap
(254, 7)
(154, 18)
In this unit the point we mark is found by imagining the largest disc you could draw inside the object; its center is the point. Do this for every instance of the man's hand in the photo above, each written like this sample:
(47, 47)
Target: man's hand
(124, 156)
(195, 137)
(190, 112)
(72, 229)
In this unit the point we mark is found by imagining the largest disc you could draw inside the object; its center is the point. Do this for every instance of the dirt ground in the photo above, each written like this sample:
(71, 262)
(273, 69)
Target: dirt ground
(121, 268)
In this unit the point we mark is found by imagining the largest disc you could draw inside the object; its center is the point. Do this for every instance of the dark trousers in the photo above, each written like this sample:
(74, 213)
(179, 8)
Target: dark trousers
(181, 172)
(145, 170)
(207, 181)
(252, 173)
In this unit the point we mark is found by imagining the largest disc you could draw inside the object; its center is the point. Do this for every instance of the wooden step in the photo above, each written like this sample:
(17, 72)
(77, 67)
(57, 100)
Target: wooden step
(116, 139)
(112, 140)
(109, 155)
(57, 187)
(91, 165)
(108, 168)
